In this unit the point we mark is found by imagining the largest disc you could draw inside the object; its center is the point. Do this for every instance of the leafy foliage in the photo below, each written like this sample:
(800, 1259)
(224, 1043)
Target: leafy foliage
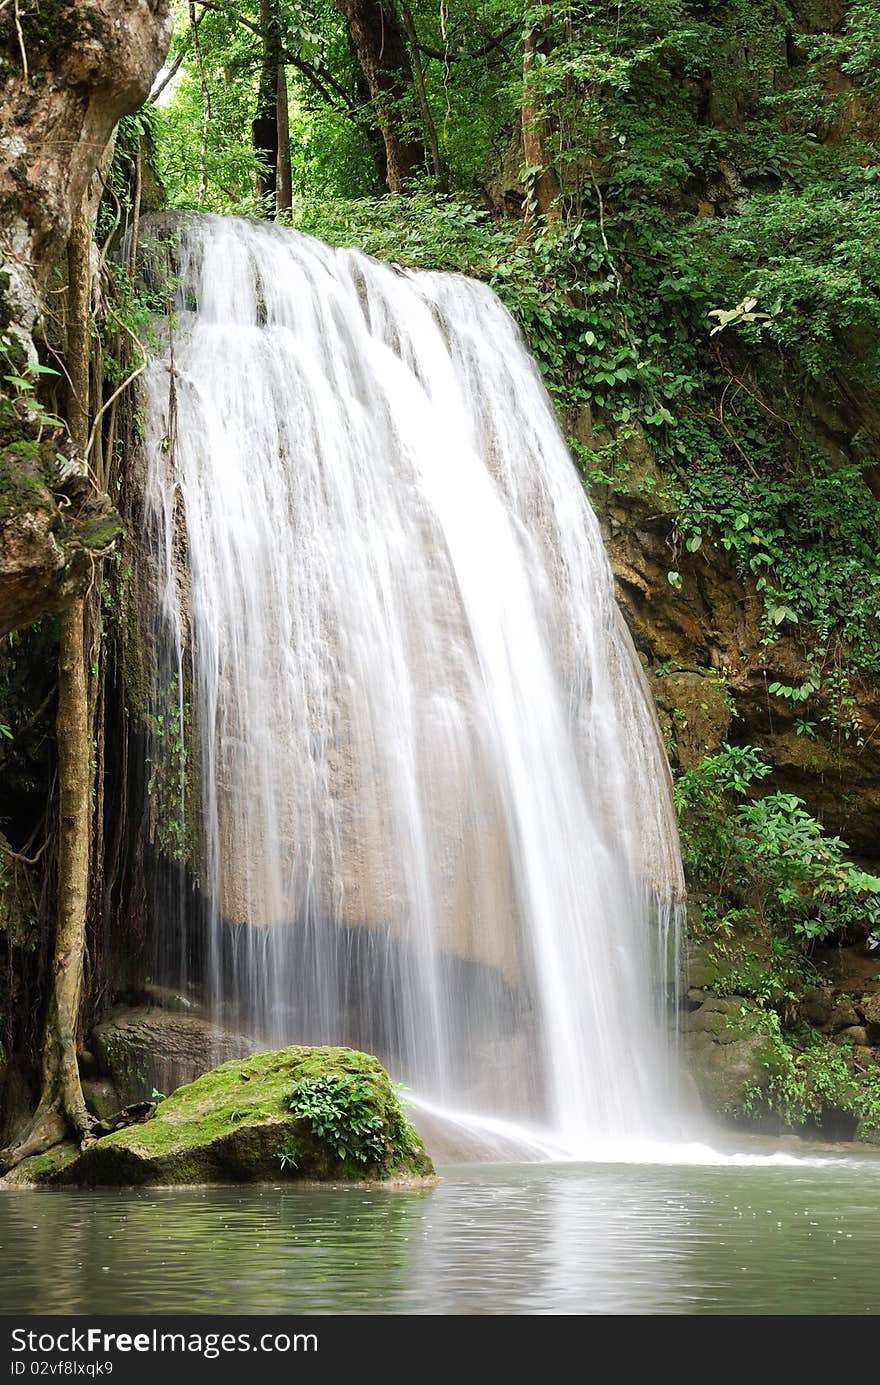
(770, 853)
(809, 1075)
(341, 1110)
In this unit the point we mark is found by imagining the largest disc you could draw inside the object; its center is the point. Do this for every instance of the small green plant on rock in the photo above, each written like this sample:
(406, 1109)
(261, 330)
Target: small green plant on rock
(287, 1157)
(341, 1110)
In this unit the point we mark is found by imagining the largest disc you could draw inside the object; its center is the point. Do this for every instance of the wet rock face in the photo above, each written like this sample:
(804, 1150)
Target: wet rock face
(145, 1050)
(727, 1049)
(710, 671)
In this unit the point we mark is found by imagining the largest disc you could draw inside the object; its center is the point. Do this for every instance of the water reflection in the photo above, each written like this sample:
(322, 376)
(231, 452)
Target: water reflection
(570, 1239)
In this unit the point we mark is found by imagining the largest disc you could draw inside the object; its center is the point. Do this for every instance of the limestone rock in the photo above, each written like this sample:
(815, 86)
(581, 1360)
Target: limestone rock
(89, 62)
(708, 965)
(727, 1049)
(705, 641)
(235, 1125)
(102, 1098)
(141, 1050)
(843, 1015)
(700, 714)
(52, 520)
(870, 1008)
(817, 1006)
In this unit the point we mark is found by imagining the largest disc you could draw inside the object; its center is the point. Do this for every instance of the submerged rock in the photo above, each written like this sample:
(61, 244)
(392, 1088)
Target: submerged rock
(326, 1114)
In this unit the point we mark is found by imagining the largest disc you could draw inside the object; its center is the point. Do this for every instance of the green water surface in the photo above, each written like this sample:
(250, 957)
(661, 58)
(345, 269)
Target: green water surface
(573, 1239)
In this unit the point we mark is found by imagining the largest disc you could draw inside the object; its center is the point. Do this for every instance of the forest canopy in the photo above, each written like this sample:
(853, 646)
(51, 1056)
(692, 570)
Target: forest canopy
(676, 200)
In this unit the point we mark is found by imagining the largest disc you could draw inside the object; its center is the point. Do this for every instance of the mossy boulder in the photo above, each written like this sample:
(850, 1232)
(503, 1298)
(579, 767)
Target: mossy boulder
(235, 1125)
(729, 1051)
(870, 1008)
(708, 966)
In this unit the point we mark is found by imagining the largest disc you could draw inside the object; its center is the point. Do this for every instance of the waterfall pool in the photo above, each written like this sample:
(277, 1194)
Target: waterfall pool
(756, 1233)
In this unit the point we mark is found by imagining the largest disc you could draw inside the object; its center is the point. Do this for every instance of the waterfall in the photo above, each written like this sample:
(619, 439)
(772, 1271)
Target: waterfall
(409, 751)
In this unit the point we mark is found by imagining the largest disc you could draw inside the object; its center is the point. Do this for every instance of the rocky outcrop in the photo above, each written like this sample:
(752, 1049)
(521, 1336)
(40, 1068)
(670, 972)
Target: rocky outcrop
(325, 1114)
(728, 1052)
(710, 668)
(145, 1050)
(52, 519)
(769, 1054)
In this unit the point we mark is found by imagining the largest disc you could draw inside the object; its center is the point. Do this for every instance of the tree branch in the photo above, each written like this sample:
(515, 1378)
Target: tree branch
(492, 43)
(178, 61)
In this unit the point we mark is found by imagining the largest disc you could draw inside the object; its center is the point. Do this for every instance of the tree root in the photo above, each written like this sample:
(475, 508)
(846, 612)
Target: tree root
(49, 1127)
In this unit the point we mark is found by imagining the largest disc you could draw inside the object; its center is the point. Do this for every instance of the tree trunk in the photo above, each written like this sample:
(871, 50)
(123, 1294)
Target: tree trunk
(424, 105)
(284, 181)
(265, 123)
(542, 188)
(380, 47)
(62, 1108)
(373, 133)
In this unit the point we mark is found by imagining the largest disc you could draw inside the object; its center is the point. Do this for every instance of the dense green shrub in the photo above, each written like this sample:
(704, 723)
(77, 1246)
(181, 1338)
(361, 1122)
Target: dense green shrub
(769, 854)
(341, 1109)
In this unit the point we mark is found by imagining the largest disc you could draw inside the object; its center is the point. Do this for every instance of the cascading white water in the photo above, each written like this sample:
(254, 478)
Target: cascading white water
(434, 808)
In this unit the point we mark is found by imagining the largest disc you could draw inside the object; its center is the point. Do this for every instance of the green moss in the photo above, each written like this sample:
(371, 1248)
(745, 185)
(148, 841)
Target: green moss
(54, 25)
(99, 533)
(23, 464)
(44, 1168)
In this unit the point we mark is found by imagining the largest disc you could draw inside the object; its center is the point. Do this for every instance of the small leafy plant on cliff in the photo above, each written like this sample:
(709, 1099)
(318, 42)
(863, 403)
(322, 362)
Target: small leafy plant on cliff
(704, 797)
(800, 873)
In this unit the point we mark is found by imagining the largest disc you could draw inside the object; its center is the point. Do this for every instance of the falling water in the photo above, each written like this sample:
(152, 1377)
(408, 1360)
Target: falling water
(421, 765)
